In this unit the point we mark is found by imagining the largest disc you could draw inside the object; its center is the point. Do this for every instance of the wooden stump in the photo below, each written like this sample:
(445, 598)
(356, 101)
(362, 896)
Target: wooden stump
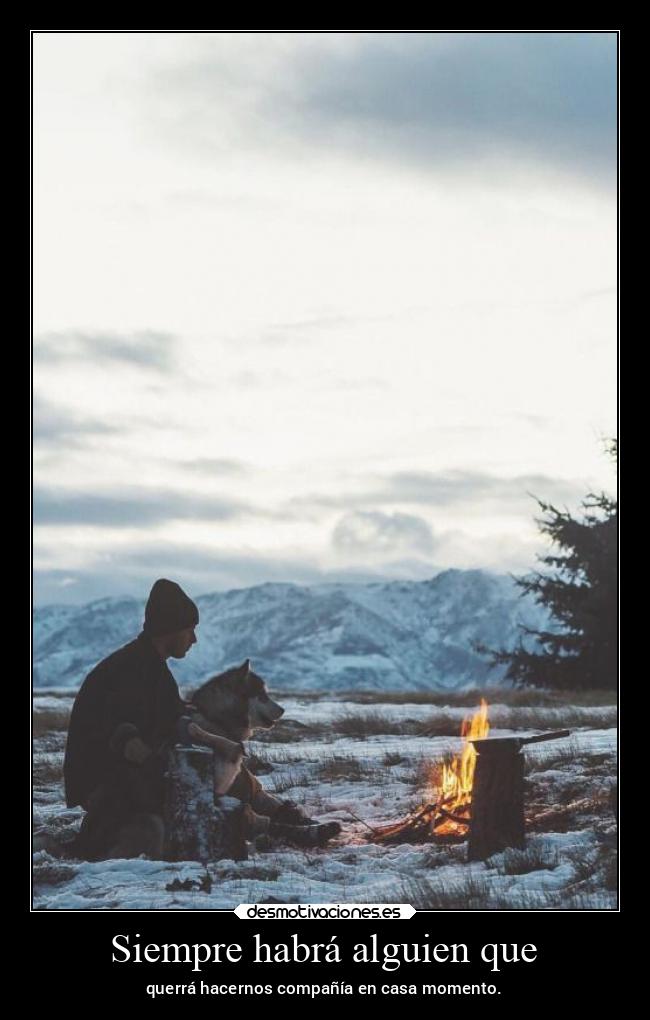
(200, 826)
(497, 816)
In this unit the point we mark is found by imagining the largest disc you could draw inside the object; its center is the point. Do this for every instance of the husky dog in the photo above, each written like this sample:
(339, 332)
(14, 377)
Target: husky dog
(233, 705)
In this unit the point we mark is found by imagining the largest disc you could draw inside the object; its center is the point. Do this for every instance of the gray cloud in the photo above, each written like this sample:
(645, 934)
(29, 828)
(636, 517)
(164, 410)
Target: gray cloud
(445, 488)
(548, 96)
(132, 507)
(54, 425)
(455, 487)
(147, 349)
(371, 532)
(436, 100)
(139, 507)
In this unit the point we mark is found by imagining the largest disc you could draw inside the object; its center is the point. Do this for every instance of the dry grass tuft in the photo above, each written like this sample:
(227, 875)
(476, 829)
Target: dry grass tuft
(344, 767)
(515, 696)
(50, 719)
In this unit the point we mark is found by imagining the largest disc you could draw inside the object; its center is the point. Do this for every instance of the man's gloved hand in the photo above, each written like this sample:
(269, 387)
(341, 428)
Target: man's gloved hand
(136, 751)
(127, 742)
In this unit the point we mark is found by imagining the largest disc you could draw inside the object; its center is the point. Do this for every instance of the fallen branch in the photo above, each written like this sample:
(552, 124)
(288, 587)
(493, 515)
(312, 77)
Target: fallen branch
(362, 821)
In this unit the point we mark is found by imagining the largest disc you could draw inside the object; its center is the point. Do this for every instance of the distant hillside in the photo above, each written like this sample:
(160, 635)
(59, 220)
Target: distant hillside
(408, 635)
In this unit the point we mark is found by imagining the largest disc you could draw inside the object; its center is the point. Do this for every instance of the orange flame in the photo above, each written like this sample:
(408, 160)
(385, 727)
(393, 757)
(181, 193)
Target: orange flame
(455, 789)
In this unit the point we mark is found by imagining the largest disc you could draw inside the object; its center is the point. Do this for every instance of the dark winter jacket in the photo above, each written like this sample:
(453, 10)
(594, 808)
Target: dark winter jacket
(132, 686)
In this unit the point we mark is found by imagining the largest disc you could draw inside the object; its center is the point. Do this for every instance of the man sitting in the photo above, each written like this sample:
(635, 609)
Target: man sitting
(127, 715)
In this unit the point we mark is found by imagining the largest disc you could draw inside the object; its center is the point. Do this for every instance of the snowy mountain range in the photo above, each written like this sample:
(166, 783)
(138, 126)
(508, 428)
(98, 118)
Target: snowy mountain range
(398, 635)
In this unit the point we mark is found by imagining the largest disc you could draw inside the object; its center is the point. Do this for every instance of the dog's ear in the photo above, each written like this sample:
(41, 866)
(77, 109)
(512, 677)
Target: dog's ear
(244, 669)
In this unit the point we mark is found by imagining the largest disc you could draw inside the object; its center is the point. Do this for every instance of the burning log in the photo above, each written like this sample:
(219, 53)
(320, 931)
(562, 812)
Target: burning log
(442, 821)
(455, 818)
(422, 826)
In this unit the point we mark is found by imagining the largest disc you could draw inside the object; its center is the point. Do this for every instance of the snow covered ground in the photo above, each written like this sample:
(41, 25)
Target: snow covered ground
(323, 757)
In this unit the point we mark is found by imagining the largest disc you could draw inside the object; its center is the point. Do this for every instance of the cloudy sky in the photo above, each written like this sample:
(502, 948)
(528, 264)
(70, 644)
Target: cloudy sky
(316, 306)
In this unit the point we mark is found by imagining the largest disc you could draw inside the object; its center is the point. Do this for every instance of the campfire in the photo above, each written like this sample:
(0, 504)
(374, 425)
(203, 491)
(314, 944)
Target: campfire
(445, 815)
(478, 797)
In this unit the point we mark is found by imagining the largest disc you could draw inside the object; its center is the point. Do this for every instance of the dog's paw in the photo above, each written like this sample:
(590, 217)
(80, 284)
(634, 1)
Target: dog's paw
(314, 835)
(328, 830)
(291, 814)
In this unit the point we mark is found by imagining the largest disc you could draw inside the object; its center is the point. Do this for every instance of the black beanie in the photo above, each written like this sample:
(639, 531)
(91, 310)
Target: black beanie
(168, 609)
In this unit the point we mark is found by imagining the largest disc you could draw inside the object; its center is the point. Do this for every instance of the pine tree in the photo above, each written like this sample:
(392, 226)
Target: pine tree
(580, 648)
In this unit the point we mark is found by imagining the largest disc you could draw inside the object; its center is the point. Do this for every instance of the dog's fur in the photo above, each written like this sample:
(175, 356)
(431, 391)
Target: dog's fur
(234, 704)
